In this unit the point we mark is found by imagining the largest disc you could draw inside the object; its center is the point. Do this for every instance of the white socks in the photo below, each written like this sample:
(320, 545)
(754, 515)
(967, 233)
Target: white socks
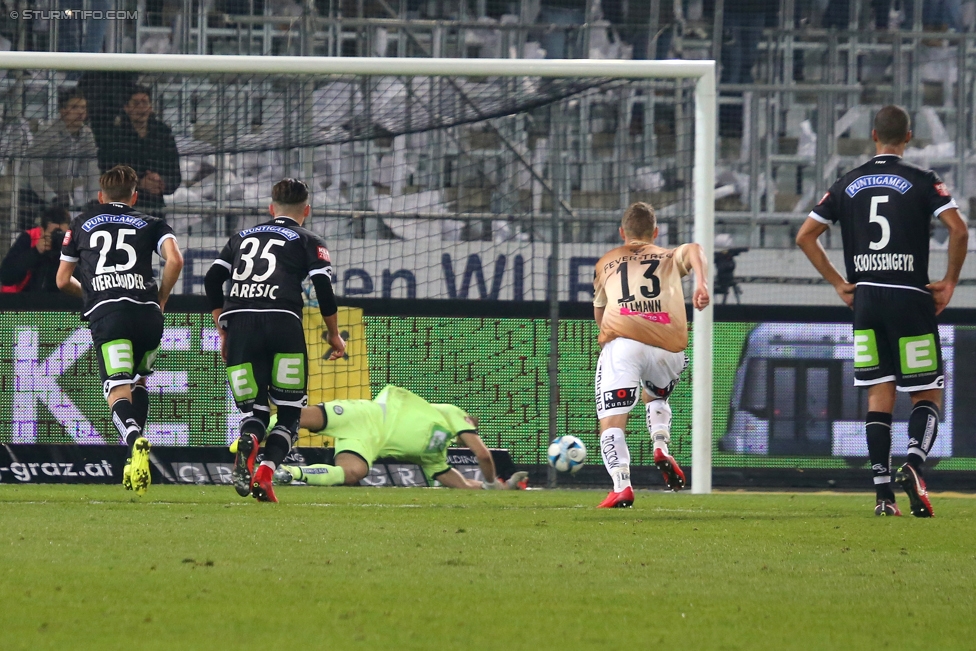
(616, 457)
(659, 424)
(613, 445)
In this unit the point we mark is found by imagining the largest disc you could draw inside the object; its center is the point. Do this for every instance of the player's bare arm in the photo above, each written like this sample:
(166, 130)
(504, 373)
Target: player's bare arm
(942, 290)
(322, 282)
(808, 239)
(335, 339)
(454, 479)
(599, 300)
(481, 452)
(171, 270)
(699, 265)
(67, 283)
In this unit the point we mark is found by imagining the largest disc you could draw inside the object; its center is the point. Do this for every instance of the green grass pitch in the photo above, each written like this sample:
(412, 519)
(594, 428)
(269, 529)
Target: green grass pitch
(89, 567)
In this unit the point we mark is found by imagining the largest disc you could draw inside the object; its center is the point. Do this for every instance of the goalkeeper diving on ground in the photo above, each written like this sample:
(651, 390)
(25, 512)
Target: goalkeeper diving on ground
(399, 424)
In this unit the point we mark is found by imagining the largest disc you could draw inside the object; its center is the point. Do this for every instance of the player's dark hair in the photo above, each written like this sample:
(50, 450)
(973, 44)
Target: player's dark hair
(639, 221)
(290, 192)
(67, 95)
(892, 124)
(55, 215)
(140, 90)
(119, 183)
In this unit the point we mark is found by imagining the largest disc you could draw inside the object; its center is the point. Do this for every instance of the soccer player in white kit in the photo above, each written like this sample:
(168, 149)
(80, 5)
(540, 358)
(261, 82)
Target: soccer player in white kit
(639, 307)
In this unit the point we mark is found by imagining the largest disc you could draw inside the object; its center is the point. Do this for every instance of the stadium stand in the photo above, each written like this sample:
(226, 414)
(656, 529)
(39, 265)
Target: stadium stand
(800, 80)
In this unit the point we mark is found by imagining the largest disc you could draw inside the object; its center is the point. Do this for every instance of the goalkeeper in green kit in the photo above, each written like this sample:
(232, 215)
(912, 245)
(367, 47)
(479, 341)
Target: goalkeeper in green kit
(398, 424)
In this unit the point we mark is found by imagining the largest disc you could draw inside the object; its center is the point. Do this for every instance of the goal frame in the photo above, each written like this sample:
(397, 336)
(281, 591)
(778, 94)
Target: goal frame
(703, 179)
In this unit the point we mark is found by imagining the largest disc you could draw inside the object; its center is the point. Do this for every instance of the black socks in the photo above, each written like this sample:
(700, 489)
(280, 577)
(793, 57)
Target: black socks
(140, 401)
(280, 438)
(923, 427)
(278, 446)
(257, 424)
(289, 417)
(878, 429)
(124, 418)
(254, 426)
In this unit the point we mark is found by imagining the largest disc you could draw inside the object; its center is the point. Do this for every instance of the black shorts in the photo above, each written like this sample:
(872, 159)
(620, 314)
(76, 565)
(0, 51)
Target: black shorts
(896, 339)
(266, 358)
(126, 341)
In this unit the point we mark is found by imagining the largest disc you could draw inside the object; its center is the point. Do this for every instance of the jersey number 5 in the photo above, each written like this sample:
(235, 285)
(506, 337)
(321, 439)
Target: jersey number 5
(249, 248)
(875, 218)
(106, 243)
(646, 292)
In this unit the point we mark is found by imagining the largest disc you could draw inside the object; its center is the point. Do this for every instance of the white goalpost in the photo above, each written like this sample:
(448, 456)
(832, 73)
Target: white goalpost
(702, 175)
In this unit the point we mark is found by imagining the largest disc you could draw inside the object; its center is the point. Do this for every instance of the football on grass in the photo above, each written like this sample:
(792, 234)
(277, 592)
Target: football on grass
(567, 454)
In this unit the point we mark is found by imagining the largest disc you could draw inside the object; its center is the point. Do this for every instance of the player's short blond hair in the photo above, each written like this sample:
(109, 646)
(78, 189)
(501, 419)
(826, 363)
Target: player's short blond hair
(119, 183)
(639, 221)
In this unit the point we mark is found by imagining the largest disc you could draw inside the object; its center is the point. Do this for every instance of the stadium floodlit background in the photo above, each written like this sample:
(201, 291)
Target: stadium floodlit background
(442, 200)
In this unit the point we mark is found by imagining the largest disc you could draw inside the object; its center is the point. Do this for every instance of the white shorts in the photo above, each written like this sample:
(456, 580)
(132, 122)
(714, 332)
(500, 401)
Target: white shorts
(625, 366)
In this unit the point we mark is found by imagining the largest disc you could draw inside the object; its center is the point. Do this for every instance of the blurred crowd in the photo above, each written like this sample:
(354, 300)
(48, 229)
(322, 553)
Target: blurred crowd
(104, 119)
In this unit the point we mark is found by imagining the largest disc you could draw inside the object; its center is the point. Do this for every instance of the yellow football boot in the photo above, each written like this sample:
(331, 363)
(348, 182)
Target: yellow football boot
(139, 467)
(127, 475)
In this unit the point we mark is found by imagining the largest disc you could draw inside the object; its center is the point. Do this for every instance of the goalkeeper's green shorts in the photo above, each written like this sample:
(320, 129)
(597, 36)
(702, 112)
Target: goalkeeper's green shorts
(357, 426)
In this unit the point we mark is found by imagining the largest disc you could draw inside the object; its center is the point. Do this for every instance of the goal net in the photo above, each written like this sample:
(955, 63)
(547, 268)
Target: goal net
(444, 189)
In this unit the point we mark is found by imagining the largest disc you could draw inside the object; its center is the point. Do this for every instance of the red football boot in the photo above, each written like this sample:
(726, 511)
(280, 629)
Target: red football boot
(622, 500)
(261, 485)
(674, 476)
(918, 495)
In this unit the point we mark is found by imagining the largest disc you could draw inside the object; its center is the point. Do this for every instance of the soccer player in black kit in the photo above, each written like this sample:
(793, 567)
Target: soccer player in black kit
(260, 325)
(885, 208)
(112, 246)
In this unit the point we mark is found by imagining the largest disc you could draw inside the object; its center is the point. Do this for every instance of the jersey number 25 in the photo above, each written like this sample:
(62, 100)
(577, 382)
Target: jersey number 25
(106, 243)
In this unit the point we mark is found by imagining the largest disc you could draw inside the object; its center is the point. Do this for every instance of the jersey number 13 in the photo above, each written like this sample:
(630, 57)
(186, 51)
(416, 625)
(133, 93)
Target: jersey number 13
(646, 292)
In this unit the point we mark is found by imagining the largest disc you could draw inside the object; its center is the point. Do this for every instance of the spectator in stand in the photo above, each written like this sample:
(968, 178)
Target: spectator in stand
(141, 141)
(937, 15)
(32, 263)
(62, 161)
(107, 93)
(561, 12)
(838, 14)
(88, 34)
(631, 22)
(744, 24)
